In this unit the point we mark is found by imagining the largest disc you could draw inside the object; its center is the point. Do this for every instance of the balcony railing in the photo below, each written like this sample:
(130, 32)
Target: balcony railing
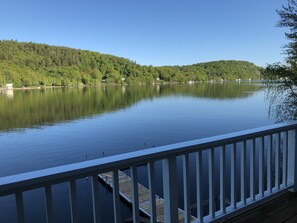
(261, 164)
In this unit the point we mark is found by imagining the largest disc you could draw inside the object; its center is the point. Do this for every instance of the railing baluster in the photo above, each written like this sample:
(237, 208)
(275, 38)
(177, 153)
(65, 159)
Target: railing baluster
(292, 159)
(199, 184)
(135, 201)
(73, 201)
(269, 164)
(285, 159)
(279, 143)
(211, 183)
(261, 167)
(277, 156)
(186, 178)
(116, 197)
(95, 198)
(170, 190)
(233, 177)
(151, 176)
(252, 170)
(20, 207)
(242, 173)
(48, 204)
(223, 180)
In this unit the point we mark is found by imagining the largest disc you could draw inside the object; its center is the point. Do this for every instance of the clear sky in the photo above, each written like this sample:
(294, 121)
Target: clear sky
(152, 32)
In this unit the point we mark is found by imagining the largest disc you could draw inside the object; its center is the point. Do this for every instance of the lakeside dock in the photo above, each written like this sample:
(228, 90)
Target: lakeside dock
(125, 190)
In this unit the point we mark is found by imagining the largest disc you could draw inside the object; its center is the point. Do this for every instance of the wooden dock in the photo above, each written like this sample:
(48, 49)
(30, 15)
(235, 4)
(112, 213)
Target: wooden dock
(143, 194)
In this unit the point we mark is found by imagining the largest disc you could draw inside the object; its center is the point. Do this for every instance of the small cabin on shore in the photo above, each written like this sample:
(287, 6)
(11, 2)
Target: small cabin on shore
(9, 86)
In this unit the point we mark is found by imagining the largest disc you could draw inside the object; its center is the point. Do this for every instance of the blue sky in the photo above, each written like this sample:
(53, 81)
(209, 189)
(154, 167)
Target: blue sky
(152, 32)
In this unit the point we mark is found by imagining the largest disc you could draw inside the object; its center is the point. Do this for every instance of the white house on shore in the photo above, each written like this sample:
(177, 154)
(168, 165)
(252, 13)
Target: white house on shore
(9, 86)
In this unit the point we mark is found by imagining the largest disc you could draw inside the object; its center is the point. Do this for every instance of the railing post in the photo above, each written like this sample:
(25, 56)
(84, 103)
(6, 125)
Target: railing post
(199, 183)
(211, 182)
(292, 159)
(116, 196)
(233, 177)
(95, 198)
(170, 190)
(20, 207)
(49, 204)
(73, 201)
(135, 199)
(186, 178)
(269, 164)
(243, 174)
(151, 174)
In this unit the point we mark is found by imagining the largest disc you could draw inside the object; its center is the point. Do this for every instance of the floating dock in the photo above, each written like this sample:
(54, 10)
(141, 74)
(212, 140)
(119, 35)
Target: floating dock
(125, 190)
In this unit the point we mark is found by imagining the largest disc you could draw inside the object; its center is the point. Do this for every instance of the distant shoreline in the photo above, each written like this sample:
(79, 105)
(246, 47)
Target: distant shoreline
(114, 84)
(30, 88)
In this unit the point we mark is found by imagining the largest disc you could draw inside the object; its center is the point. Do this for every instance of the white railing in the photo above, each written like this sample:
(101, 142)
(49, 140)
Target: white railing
(261, 164)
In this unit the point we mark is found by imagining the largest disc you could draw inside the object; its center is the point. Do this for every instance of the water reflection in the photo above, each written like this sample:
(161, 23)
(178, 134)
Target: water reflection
(282, 104)
(203, 110)
(7, 93)
(46, 106)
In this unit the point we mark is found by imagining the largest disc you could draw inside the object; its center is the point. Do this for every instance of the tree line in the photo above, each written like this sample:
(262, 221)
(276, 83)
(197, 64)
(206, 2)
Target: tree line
(31, 64)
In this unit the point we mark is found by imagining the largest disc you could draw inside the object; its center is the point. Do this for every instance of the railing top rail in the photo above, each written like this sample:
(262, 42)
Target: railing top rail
(30, 180)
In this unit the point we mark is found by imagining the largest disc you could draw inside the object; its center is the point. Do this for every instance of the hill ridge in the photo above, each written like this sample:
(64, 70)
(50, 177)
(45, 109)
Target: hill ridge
(35, 64)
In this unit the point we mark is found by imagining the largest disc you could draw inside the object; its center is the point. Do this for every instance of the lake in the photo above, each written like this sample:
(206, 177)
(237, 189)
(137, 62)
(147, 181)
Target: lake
(49, 127)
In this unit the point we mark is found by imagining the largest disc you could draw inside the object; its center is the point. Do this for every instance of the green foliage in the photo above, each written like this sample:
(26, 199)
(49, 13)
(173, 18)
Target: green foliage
(31, 64)
(286, 74)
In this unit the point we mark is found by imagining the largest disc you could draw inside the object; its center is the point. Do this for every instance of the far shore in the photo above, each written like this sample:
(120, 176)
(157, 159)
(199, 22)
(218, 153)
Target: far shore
(113, 84)
(29, 88)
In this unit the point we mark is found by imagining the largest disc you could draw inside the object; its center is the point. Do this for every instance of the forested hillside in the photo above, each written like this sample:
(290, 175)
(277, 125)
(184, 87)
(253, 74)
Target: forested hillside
(31, 64)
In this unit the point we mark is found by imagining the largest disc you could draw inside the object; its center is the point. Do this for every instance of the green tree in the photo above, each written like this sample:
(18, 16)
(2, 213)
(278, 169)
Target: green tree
(287, 73)
(26, 64)
(283, 97)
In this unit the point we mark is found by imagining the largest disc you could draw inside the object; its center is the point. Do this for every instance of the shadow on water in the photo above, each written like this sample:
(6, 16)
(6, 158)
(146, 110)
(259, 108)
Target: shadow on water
(33, 108)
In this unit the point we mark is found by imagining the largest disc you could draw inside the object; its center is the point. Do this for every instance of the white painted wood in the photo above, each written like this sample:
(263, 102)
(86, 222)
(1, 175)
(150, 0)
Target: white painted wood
(95, 199)
(20, 207)
(277, 161)
(243, 174)
(261, 167)
(285, 159)
(170, 190)
(69, 173)
(31, 180)
(292, 159)
(223, 179)
(135, 201)
(73, 201)
(199, 184)
(48, 204)
(116, 197)
(233, 177)
(186, 179)
(269, 164)
(252, 169)
(151, 178)
(211, 183)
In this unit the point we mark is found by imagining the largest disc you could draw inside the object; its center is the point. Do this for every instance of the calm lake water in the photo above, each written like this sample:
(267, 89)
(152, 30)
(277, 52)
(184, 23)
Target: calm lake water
(51, 127)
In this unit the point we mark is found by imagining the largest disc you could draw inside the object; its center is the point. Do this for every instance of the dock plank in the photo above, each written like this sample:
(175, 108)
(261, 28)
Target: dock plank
(143, 196)
(282, 209)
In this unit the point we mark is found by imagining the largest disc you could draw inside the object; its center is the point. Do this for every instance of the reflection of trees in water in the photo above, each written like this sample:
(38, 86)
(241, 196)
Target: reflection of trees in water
(38, 107)
(282, 103)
